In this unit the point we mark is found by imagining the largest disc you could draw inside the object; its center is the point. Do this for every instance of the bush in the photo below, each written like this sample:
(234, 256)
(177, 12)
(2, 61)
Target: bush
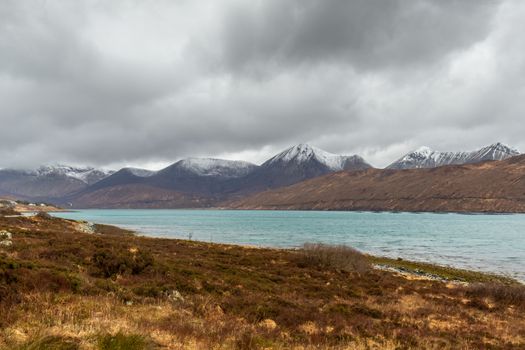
(500, 293)
(109, 263)
(43, 215)
(6, 211)
(338, 257)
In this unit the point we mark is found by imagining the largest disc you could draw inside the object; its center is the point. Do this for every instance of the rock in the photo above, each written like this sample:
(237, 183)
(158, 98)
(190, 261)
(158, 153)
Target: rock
(5, 235)
(268, 324)
(309, 328)
(86, 227)
(174, 296)
(6, 238)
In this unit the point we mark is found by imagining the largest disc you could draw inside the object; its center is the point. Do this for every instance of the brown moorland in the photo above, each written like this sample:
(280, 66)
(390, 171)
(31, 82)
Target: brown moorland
(62, 288)
(495, 186)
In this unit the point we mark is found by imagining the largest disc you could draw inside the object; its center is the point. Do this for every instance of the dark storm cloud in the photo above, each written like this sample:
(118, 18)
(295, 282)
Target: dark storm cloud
(136, 82)
(366, 34)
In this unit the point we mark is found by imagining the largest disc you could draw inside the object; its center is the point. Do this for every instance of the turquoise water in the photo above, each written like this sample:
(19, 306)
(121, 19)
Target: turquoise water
(492, 243)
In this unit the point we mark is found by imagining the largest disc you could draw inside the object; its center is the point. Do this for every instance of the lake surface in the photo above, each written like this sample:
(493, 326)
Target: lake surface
(492, 243)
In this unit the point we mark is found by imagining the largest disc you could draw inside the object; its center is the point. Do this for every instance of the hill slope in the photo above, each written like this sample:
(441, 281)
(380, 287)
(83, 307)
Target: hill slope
(497, 186)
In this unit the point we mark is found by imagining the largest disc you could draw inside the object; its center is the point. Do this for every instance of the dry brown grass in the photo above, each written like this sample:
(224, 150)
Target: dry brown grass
(172, 294)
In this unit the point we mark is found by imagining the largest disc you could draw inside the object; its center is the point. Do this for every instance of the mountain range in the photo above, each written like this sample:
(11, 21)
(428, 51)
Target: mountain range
(205, 182)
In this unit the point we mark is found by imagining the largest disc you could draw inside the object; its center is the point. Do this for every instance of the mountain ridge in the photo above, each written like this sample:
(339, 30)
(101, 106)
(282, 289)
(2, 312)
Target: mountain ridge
(425, 157)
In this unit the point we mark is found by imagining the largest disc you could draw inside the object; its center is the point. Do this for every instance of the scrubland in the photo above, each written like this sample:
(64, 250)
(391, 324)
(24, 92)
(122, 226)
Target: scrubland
(62, 287)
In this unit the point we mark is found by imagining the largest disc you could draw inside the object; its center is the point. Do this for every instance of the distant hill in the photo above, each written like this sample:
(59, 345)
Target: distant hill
(425, 157)
(48, 181)
(496, 186)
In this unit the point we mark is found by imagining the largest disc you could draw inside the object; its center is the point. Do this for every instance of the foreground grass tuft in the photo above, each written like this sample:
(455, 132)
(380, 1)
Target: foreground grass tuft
(51, 343)
(121, 341)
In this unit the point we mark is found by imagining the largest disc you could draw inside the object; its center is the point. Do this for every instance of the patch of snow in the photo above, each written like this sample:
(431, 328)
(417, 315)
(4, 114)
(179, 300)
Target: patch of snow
(141, 172)
(216, 167)
(85, 174)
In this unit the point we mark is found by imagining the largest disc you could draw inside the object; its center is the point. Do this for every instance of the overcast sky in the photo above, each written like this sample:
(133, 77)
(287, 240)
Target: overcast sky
(147, 82)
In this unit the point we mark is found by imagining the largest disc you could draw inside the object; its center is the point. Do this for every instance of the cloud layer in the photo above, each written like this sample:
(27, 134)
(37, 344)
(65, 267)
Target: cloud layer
(110, 83)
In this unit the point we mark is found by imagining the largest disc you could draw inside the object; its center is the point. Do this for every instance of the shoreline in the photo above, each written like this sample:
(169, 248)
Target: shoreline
(496, 213)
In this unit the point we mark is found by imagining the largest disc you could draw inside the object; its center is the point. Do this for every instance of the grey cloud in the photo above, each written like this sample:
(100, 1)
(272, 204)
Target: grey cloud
(132, 82)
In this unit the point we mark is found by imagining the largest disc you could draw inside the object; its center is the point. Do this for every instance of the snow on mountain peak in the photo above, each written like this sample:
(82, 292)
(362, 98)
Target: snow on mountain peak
(87, 175)
(424, 150)
(216, 167)
(140, 172)
(424, 157)
(302, 153)
(500, 147)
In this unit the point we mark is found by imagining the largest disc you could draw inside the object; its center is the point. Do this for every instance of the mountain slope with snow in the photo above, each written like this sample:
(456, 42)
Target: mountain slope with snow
(425, 157)
(87, 175)
(215, 167)
(296, 164)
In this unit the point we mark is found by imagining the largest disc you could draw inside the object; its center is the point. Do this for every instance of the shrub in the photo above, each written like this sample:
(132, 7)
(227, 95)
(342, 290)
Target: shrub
(6, 211)
(500, 293)
(339, 257)
(121, 341)
(43, 215)
(109, 263)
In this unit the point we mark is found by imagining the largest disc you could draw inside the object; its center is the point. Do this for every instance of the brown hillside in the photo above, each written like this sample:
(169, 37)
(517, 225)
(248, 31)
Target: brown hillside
(139, 196)
(497, 186)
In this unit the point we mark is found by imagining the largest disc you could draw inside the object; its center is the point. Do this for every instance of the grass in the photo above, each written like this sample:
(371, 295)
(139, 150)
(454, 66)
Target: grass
(121, 341)
(444, 272)
(51, 343)
(113, 290)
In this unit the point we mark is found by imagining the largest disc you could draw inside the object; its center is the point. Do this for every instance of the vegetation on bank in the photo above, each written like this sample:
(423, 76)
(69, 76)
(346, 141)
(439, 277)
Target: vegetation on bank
(63, 288)
(445, 273)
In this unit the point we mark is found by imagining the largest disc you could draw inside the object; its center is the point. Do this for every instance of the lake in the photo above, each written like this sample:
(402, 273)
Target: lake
(492, 243)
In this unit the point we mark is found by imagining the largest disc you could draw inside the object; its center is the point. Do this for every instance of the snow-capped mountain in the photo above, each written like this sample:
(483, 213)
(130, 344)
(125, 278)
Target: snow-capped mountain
(216, 167)
(190, 175)
(303, 153)
(425, 157)
(295, 164)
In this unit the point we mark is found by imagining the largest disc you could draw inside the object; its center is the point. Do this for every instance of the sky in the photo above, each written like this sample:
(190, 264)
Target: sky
(147, 82)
